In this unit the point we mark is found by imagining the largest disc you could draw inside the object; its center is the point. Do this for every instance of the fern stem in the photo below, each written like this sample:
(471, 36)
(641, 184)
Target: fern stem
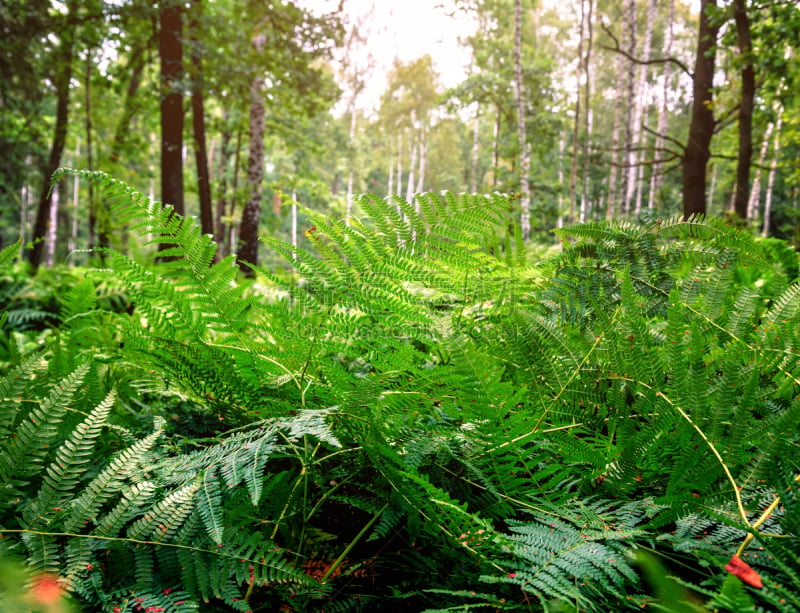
(739, 503)
(764, 517)
(564, 387)
(352, 544)
(119, 539)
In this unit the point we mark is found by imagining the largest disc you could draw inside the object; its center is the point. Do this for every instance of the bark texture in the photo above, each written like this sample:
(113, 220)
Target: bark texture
(247, 252)
(701, 128)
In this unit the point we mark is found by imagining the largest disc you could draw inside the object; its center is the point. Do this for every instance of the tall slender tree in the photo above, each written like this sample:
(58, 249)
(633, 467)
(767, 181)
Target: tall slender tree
(524, 151)
(199, 119)
(63, 60)
(746, 105)
(248, 236)
(170, 47)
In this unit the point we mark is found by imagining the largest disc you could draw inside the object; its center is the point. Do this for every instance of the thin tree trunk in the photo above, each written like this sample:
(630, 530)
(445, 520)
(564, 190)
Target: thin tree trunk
(640, 117)
(399, 181)
(62, 83)
(587, 123)
(199, 124)
(496, 147)
(754, 203)
(294, 225)
(573, 175)
(222, 172)
(103, 241)
(630, 108)
(656, 179)
(776, 150)
(52, 228)
(230, 243)
(476, 124)
(410, 182)
(390, 187)
(615, 145)
(351, 170)
(423, 160)
(746, 105)
(248, 235)
(701, 127)
(524, 155)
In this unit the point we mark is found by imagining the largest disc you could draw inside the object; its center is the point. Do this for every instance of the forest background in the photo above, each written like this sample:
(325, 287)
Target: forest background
(234, 112)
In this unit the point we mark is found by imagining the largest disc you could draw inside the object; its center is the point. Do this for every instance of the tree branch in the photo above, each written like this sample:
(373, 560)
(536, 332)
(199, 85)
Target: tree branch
(678, 144)
(662, 60)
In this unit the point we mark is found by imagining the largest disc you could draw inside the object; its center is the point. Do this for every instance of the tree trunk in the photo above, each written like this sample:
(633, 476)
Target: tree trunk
(754, 203)
(199, 125)
(615, 145)
(630, 108)
(639, 115)
(656, 179)
(701, 127)
(351, 170)
(222, 172)
(171, 54)
(248, 235)
(524, 153)
(746, 105)
(410, 182)
(52, 228)
(423, 159)
(62, 82)
(573, 175)
(771, 180)
(476, 124)
(587, 124)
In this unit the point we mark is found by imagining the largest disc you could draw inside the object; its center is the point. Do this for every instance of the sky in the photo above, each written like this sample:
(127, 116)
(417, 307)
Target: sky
(407, 30)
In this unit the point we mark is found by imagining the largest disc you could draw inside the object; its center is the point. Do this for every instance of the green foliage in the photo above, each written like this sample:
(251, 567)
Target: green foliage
(410, 418)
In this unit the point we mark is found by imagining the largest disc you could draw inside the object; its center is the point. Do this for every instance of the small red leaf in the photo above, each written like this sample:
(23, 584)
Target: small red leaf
(741, 569)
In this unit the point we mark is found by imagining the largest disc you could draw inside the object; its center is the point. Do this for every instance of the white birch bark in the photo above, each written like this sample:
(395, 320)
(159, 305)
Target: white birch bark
(615, 145)
(423, 160)
(776, 149)
(630, 26)
(587, 124)
(635, 186)
(656, 178)
(754, 202)
(294, 225)
(410, 181)
(52, 228)
(473, 184)
(573, 175)
(524, 154)
(351, 172)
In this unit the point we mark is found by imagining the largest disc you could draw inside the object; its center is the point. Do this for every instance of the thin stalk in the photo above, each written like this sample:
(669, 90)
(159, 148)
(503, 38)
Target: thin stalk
(352, 544)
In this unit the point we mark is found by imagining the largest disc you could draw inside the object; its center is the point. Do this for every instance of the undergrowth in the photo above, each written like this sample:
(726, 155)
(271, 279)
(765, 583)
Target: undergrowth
(408, 417)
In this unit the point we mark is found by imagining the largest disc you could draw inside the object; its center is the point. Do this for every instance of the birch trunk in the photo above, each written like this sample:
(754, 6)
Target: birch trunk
(473, 184)
(754, 202)
(776, 149)
(587, 115)
(423, 160)
(524, 154)
(351, 172)
(52, 228)
(573, 175)
(639, 119)
(630, 77)
(657, 179)
(615, 145)
(410, 181)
